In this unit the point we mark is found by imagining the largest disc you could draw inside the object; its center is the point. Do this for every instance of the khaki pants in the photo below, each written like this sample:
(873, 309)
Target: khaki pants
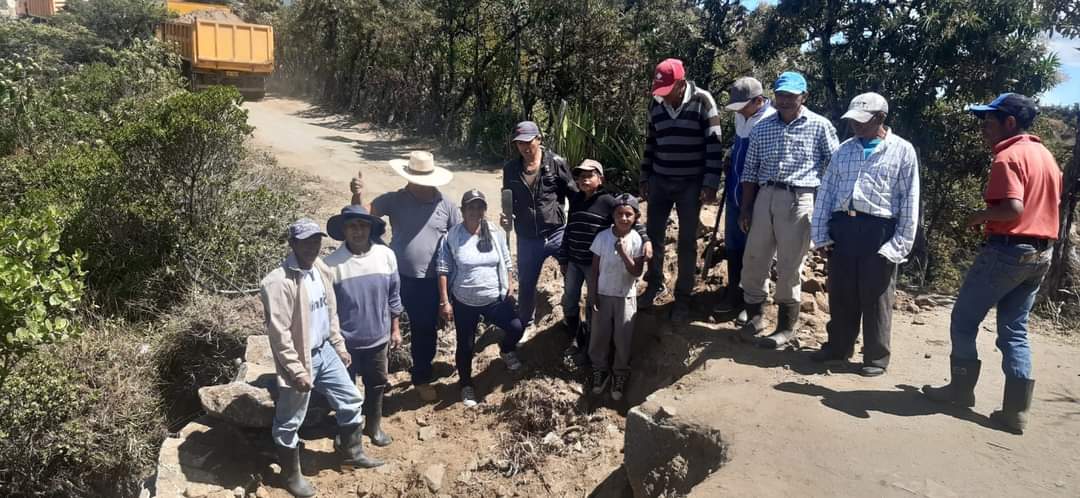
(780, 227)
(612, 324)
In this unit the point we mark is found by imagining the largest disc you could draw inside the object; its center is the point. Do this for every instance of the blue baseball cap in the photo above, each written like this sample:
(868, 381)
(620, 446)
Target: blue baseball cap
(790, 82)
(1019, 106)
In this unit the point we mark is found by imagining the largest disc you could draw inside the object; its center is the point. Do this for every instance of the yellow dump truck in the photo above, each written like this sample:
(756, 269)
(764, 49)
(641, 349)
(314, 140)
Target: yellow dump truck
(38, 8)
(219, 49)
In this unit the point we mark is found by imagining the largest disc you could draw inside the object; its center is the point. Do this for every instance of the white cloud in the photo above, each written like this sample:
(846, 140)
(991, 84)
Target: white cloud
(1066, 49)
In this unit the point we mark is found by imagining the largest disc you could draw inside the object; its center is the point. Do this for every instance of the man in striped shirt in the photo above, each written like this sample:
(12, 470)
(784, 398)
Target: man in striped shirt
(788, 154)
(865, 218)
(681, 168)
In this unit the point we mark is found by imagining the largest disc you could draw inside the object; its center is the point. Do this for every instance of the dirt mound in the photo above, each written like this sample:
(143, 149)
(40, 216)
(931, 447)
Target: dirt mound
(209, 15)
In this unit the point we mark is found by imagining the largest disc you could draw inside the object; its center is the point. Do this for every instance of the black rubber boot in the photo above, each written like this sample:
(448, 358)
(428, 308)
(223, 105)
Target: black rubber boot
(373, 401)
(733, 303)
(350, 444)
(786, 321)
(295, 483)
(960, 391)
(1013, 413)
(755, 323)
(572, 324)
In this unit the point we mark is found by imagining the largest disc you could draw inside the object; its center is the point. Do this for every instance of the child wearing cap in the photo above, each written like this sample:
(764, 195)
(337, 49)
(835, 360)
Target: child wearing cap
(617, 263)
(591, 210)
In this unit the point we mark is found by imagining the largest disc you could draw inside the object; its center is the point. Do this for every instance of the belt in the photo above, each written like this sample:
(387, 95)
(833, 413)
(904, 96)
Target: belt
(1012, 240)
(788, 187)
(320, 346)
(860, 214)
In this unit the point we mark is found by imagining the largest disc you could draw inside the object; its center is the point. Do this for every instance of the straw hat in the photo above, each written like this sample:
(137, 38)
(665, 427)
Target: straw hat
(420, 169)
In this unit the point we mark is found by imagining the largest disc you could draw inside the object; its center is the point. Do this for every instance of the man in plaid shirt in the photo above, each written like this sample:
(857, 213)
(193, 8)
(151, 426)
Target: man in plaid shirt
(788, 154)
(865, 218)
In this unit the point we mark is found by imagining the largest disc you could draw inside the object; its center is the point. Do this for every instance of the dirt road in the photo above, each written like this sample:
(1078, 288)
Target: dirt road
(334, 149)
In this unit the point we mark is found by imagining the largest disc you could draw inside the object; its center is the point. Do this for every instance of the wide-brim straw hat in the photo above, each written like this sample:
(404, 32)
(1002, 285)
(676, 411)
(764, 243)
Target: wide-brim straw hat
(420, 169)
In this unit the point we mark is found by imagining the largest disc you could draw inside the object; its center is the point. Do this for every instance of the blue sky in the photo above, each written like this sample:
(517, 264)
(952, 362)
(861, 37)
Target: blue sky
(1065, 93)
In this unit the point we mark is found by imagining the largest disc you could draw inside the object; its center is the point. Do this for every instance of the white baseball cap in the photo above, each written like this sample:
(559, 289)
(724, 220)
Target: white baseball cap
(864, 106)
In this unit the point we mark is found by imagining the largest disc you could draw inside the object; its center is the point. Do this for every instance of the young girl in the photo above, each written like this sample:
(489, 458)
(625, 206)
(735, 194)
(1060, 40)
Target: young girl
(618, 261)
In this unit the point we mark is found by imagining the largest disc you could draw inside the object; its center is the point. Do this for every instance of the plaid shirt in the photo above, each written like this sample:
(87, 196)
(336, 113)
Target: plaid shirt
(794, 153)
(886, 184)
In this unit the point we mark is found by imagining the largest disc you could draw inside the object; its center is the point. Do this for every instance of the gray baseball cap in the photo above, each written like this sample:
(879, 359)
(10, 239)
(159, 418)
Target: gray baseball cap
(526, 131)
(743, 91)
(304, 228)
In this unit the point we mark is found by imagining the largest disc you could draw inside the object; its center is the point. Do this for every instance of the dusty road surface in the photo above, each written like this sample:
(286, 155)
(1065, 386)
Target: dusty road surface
(790, 428)
(334, 148)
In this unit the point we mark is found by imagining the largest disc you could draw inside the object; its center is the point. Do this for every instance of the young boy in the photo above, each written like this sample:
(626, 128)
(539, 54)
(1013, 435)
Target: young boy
(618, 260)
(590, 213)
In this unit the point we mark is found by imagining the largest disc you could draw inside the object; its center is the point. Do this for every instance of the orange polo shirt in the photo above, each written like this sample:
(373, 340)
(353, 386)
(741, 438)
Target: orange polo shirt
(1024, 170)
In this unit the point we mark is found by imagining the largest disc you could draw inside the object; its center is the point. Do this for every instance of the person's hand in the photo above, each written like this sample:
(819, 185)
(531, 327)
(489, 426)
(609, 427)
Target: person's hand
(504, 221)
(303, 384)
(395, 338)
(646, 250)
(356, 185)
(619, 248)
(592, 299)
(346, 358)
(643, 190)
(563, 267)
(708, 195)
(744, 220)
(446, 312)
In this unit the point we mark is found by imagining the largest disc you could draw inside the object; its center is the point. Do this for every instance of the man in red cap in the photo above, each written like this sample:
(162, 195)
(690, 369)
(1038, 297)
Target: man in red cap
(681, 168)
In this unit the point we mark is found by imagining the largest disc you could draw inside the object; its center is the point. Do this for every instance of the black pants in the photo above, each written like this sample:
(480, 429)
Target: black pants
(370, 366)
(862, 287)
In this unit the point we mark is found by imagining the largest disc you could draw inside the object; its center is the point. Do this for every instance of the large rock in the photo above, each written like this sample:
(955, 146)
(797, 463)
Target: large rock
(666, 455)
(239, 403)
(206, 456)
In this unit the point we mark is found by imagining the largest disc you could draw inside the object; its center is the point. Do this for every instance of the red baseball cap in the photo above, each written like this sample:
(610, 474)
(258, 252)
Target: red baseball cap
(668, 72)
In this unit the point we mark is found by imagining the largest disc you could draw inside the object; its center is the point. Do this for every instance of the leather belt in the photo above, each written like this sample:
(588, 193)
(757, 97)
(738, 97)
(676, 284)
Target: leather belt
(1012, 240)
(790, 188)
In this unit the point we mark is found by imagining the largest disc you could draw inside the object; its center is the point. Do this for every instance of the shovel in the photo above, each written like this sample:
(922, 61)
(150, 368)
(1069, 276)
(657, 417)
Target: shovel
(714, 251)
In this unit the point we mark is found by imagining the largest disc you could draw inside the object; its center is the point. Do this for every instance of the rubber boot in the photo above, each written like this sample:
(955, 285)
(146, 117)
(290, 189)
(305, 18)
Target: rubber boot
(786, 320)
(350, 444)
(295, 483)
(960, 391)
(373, 402)
(1013, 413)
(733, 304)
(755, 323)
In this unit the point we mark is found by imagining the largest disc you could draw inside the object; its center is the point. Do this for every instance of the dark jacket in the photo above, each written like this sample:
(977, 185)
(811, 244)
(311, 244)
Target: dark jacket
(538, 212)
(588, 217)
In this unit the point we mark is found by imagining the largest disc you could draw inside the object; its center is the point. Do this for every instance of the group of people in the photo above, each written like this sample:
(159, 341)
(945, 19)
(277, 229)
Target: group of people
(790, 186)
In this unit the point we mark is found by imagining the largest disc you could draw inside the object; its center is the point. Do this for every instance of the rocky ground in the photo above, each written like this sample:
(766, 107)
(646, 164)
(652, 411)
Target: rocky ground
(712, 416)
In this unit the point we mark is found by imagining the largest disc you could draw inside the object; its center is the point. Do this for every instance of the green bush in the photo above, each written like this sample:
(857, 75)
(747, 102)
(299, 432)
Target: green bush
(40, 286)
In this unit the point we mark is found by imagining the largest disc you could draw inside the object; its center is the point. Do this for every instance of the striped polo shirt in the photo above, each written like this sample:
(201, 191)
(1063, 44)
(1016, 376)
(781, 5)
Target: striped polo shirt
(684, 142)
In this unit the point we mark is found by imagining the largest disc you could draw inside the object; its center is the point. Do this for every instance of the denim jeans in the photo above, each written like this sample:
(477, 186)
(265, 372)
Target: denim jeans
(684, 194)
(466, 317)
(420, 297)
(577, 276)
(1008, 277)
(531, 254)
(332, 380)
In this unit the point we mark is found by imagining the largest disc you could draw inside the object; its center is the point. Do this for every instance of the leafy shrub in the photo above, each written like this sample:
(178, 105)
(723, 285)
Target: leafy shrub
(118, 22)
(40, 286)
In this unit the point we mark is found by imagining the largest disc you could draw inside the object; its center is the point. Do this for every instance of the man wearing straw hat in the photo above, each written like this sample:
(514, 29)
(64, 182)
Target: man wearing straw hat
(419, 217)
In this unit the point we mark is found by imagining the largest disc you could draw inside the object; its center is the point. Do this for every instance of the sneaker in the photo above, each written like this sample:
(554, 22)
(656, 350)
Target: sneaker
(468, 397)
(618, 387)
(600, 380)
(511, 360)
(826, 356)
(871, 371)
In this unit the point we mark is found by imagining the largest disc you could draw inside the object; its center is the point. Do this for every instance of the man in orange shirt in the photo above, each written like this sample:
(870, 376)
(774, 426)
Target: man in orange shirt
(1021, 220)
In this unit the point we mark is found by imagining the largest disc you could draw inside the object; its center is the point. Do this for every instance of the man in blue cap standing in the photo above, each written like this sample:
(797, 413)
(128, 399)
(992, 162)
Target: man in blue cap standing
(787, 157)
(1021, 221)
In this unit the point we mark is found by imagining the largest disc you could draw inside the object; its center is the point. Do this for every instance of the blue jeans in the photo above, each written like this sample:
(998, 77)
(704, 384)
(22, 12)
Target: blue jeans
(531, 254)
(330, 379)
(466, 317)
(684, 194)
(420, 297)
(577, 275)
(1008, 277)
